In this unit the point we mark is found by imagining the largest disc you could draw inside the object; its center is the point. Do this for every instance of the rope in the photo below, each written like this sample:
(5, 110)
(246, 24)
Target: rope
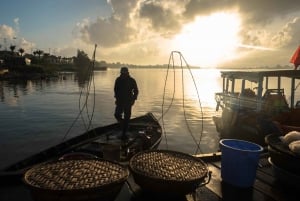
(89, 75)
(91, 81)
(171, 61)
(163, 101)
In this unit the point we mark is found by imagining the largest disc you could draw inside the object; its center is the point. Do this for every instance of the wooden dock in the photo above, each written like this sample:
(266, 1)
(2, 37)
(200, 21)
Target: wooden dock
(266, 188)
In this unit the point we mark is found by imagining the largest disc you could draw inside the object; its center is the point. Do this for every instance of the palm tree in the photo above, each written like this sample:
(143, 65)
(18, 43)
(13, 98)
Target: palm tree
(12, 49)
(21, 50)
(39, 52)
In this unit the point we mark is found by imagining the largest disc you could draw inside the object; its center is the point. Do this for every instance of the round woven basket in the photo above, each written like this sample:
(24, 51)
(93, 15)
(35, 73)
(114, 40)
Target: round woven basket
(168, 172)
(76, 180)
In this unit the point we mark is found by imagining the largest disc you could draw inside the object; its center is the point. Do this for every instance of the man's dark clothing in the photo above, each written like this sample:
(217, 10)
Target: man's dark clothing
(126, 92)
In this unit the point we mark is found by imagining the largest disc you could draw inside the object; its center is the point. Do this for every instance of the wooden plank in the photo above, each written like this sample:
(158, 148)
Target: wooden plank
(209, 157)
(261, 190)
(202, 194)
(268, 191)
(269, 185)
(228, 192)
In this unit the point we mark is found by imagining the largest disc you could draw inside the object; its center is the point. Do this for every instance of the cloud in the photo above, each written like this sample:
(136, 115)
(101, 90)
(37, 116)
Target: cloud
(9, 36)
(289, 35)
(167, 17)
(254, 11)
(195, 8)
(163, 16)
(134, 20)
(16, 21)
(111, 31)
(108, 32)
(7, 32)
(138, 29)
(263, 12)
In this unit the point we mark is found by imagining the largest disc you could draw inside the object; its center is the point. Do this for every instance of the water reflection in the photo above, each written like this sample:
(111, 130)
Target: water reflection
(37, 114)
(83, 76)
(11, 90)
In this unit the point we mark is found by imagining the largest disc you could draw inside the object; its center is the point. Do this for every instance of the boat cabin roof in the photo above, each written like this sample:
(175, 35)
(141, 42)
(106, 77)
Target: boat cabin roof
(264, 87)
(256, 76)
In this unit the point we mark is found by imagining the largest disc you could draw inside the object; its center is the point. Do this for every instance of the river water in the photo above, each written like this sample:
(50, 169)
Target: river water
(38, 114)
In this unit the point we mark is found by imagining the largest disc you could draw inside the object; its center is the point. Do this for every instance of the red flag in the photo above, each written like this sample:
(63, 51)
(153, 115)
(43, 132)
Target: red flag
(296, 58)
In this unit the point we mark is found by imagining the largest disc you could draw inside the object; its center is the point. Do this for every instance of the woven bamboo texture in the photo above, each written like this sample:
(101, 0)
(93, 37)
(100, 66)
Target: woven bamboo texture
(78, 179)
(168, 171)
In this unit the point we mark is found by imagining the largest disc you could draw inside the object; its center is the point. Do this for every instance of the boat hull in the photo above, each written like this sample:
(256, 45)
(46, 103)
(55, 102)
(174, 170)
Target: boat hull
(252, 113)
(144, 133)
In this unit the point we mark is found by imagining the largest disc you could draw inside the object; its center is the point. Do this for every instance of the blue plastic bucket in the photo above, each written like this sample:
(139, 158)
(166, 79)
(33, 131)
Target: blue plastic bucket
(239, 162)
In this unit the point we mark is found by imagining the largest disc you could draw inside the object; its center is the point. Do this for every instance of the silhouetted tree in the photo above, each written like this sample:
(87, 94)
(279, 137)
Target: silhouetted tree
(82, 60)
(21, 51)
(82, 63)
(12, 49)
(39, 52)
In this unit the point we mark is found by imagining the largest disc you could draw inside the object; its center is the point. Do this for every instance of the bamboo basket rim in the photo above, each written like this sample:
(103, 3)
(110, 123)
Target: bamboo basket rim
(72, 168)
(170, 154)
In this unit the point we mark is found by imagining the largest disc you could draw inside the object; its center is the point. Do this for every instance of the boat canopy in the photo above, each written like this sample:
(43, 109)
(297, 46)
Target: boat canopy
(256, 76)
(261, 78)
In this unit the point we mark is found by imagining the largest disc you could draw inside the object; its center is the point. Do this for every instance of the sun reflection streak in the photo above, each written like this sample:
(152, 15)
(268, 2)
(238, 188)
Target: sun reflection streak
(206, 93)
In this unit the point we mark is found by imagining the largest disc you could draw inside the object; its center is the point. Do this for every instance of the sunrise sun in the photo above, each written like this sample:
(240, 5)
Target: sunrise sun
(209, 40)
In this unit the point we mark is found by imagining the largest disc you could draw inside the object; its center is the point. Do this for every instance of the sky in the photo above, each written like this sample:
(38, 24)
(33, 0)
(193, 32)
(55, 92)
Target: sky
(207, 33)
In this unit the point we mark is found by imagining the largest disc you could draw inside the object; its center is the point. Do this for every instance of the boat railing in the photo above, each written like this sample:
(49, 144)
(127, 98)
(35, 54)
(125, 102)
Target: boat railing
(236, 101)
(272, 101)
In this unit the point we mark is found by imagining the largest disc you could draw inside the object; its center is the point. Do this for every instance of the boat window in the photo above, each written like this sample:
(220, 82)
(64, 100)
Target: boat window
(275, 101)
(273, 92)
(248, 93)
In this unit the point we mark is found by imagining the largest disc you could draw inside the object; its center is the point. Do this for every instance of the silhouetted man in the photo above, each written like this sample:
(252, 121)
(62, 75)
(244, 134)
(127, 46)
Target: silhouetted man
(126, 92)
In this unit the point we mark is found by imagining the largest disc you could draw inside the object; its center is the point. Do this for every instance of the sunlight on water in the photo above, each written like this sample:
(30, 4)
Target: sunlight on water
(37, 114)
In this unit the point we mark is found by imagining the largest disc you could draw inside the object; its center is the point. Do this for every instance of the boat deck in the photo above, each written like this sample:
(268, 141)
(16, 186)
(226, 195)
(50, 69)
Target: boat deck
(266, 188)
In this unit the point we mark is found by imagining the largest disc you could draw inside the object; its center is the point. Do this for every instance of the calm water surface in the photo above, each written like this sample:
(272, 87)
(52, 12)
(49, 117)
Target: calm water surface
(38, 114)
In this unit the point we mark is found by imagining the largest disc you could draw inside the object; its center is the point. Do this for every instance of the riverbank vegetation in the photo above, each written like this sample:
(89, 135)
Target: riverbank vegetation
(17, 64)
(40, 65)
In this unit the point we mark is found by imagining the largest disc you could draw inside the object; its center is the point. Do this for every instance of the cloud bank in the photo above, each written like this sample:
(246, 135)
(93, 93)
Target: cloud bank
(268, 23)
(139, 31)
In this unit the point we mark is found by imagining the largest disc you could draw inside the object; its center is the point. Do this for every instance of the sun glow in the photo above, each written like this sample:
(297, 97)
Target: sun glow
(210, 40)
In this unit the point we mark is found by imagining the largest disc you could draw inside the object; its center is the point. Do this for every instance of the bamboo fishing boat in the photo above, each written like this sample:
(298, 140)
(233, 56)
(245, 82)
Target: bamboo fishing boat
(144, 133)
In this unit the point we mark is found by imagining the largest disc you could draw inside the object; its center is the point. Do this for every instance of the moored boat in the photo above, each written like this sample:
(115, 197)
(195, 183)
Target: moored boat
(144, 133)
(255, 104)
